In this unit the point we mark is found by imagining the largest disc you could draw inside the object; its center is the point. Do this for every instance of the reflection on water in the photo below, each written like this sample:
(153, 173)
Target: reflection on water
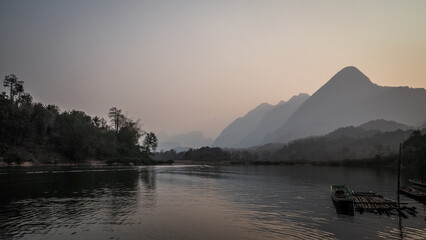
(194, 202)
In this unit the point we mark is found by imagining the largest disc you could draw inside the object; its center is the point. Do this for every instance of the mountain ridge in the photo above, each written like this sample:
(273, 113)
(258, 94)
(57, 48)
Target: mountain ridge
(239, 128)
(250, 129)
(194, 139)
(350, 98)
(271, 120)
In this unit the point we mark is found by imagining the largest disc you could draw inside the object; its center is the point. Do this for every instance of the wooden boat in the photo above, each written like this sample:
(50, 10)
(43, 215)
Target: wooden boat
(417, 182)
(413, 192)
(342, 199)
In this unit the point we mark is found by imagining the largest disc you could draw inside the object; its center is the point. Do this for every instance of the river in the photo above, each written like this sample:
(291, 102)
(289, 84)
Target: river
(195, 202)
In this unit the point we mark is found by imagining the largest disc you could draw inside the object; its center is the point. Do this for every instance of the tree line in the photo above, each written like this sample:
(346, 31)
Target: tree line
(31, 131)
(360, 148)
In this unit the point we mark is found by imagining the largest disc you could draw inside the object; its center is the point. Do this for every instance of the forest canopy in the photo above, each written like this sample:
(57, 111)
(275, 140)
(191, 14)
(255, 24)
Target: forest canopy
(31, 131)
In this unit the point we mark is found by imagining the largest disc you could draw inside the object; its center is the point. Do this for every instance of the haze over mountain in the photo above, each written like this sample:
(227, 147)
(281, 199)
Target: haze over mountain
(350, 98)
(194, 139)
(372, 139)
(344, 143)
(385, 126)
(241, 127)
(273, 119)
(252, 128)
(369, 129)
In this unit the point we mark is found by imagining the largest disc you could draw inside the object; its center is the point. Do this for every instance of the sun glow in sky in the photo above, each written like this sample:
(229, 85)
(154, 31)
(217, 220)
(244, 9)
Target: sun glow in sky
(181, 66)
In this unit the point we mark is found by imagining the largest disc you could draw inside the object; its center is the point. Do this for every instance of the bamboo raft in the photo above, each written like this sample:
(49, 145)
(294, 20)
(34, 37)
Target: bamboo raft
(372, 202)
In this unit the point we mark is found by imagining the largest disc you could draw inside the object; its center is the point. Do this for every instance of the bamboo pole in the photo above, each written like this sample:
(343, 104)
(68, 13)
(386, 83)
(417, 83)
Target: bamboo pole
(399, 171)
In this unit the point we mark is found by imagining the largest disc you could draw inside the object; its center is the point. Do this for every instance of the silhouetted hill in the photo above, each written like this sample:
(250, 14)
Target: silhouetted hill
(329, 147)
(384, 126)
(369, 140)
(368, 129)
(194, 139)
(273, 119)
(350, 98)
(232, 135)
(165, 146)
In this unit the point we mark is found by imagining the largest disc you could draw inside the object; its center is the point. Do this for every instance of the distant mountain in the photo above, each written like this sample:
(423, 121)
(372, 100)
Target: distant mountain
(272, 120)
(165, 146)
(333, 147)
(251, 129)
(385, 126)
(363, 131)
(350, 98)
(194, 139)
(369, 129)
(369, 140)
(232, 135)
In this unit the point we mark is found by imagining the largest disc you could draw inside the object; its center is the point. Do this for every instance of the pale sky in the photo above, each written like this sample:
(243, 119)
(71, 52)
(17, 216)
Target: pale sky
(181, 66)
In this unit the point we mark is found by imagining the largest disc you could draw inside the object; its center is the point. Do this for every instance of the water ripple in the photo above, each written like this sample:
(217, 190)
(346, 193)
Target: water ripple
(191, 202)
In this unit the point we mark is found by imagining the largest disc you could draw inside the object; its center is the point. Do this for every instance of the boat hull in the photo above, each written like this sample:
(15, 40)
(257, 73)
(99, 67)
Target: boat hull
(342, 199)
(413, 193)
(418, 183)
(344, 207)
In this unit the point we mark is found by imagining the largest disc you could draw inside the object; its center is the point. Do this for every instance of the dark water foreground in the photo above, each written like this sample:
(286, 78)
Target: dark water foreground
(195, 202)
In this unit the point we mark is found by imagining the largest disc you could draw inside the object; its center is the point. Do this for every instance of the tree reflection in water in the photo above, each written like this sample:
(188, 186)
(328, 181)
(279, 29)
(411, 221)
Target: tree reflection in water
(38, 200)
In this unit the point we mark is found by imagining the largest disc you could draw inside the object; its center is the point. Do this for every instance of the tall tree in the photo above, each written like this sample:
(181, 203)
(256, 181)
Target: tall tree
(117, 118)
(16, 87)
(150, 143)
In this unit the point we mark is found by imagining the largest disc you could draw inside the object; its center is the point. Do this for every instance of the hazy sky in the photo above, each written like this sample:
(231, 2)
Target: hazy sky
(181, 66)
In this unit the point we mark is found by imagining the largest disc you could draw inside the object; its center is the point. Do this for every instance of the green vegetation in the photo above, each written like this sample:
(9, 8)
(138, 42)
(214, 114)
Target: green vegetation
(328, 148)
(378, 161)
(207, 154)
(414, 154)
(42, 133)
(349, 144)
(204, 154)
(367, 149)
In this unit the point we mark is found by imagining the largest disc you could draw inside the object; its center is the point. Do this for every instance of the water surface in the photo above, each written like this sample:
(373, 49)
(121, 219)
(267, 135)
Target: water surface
(195, 202)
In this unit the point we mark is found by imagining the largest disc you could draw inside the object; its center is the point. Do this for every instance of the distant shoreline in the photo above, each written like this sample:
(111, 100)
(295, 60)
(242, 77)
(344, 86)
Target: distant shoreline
(365, 163)
(38, 164)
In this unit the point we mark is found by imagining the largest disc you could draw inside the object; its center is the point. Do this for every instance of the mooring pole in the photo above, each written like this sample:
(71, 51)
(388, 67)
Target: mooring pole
(399, 183)
(399, 170)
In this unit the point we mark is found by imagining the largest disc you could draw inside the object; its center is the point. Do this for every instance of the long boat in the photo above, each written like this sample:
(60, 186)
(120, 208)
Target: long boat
(417, 182)
(342, 199)
(413, 192)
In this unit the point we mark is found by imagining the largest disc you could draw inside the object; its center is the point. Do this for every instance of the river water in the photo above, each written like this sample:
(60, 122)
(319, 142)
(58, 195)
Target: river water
(195, 202)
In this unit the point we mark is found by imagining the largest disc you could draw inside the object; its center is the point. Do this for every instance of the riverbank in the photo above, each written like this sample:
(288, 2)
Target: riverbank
(39, 164)
(388, 163)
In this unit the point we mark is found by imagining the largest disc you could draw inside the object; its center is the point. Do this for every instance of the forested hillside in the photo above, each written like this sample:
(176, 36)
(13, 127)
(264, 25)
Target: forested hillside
(40, 133)
(373, 139)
